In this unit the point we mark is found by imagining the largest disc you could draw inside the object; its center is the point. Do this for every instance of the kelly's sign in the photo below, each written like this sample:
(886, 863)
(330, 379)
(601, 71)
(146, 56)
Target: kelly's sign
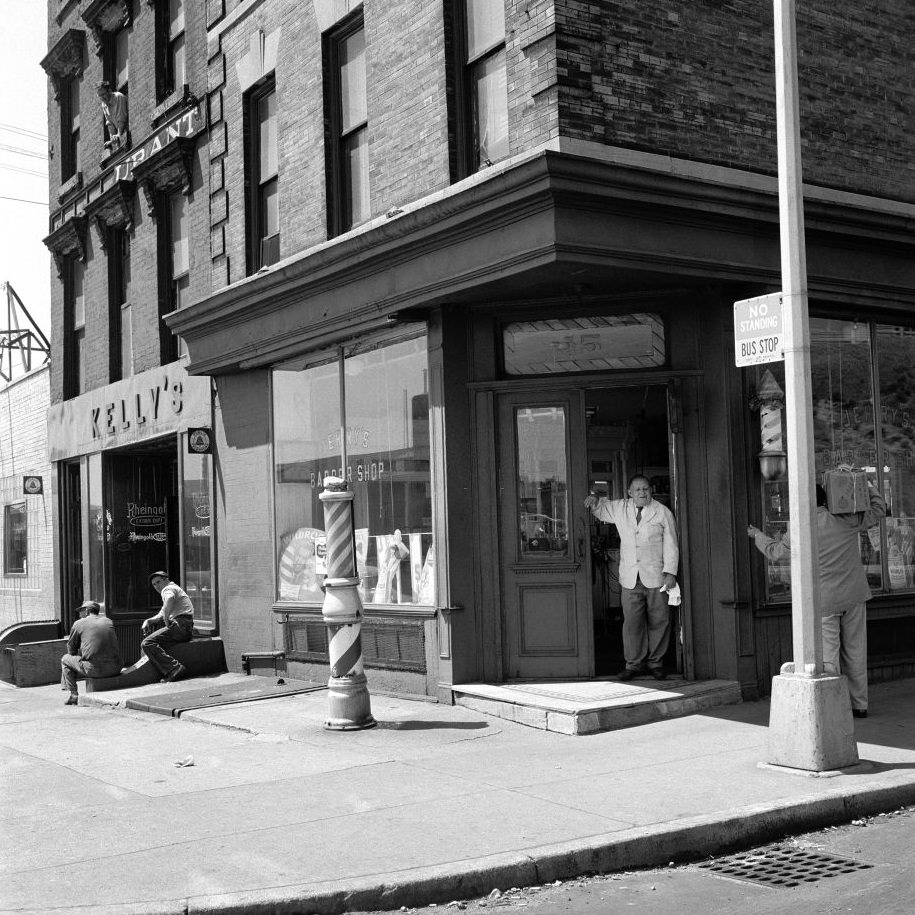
(184, 125)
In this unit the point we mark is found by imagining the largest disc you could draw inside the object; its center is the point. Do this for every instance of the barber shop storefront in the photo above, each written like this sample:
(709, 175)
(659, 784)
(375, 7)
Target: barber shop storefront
(134, 478)
(472, 419)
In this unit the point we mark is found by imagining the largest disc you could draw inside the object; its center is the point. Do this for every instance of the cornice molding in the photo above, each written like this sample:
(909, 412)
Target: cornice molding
(69, 239)
(66, 58)
(170, 170)
(105, 16)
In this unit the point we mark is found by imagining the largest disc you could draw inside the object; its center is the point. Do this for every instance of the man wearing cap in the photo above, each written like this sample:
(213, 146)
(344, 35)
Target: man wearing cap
(92, 650)
(173, 624)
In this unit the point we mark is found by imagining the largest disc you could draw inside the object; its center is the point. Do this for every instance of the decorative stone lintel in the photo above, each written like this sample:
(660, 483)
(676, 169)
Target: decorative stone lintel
(69, 239)
(105, 16)
(66, 58)
(170, 170)
(113, 210)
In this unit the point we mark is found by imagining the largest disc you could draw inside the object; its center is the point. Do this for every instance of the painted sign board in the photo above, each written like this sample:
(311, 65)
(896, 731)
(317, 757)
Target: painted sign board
(758, 330)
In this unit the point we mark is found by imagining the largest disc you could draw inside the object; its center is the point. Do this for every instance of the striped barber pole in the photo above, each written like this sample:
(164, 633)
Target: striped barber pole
(341, 553)
(345, 648)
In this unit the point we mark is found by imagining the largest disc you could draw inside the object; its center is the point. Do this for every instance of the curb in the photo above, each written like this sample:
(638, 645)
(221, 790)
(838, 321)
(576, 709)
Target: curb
(689, 840)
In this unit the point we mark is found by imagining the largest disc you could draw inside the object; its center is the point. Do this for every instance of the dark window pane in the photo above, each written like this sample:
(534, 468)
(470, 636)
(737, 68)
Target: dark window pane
(16, 538)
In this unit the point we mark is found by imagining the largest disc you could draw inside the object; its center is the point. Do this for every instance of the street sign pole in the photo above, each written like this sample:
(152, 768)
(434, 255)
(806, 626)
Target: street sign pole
(810, 725)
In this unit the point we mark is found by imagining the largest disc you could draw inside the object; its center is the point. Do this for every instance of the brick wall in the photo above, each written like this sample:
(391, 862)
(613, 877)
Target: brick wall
(697, 81)
(24, 451)
(146, 114)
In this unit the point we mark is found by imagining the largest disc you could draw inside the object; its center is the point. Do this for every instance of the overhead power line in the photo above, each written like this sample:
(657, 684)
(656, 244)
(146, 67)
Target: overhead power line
(23, 152)
(25, 171)
(41, 203)
(25, 132)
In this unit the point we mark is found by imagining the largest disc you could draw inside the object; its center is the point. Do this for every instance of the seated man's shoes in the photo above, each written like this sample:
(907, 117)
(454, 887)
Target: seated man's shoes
(626, 674)
(175, 674)
(72, 699)
(859, 712)
(659, 673)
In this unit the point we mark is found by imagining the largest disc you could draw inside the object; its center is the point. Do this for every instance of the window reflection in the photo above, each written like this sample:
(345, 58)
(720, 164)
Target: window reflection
(542, 480)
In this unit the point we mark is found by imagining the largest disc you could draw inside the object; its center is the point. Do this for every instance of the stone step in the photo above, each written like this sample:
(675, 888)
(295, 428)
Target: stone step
(199, 656)
(590, 706)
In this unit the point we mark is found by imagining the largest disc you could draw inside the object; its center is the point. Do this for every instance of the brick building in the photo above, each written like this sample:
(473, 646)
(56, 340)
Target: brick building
(481, 258)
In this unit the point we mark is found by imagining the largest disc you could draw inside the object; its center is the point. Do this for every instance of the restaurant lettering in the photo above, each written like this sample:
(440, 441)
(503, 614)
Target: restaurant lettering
(137, 409)
(185, 125)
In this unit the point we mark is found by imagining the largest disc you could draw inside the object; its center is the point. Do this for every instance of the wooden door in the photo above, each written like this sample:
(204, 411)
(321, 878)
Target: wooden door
(544, 560)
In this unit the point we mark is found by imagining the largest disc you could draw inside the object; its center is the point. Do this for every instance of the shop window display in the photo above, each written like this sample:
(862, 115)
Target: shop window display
(387, 468)
(862, 378)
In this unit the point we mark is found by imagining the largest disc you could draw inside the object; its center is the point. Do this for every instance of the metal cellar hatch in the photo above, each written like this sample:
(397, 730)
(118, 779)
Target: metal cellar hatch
(783, 866)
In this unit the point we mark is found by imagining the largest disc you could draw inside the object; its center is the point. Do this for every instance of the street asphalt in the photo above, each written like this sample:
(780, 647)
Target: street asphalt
(256, 808)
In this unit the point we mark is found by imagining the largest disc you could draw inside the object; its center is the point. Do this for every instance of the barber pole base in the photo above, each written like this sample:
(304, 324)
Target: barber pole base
(349, 704)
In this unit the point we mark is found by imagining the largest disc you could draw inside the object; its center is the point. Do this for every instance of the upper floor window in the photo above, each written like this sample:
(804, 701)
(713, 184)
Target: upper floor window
(179, 254)
(171, 47)
(74, 328)
(15, 539)
(348, 168)
(263, 178)
(482, 116)
(69, 128)
(121, 348)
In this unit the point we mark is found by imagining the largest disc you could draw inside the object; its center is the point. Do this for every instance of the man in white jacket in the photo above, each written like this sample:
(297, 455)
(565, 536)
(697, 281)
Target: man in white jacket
(649, 557)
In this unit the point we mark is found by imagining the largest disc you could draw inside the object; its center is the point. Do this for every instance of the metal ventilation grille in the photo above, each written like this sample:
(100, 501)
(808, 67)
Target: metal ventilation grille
(783, 867)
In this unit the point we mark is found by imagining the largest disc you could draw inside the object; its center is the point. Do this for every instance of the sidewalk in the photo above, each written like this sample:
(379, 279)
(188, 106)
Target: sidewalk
(277, 815)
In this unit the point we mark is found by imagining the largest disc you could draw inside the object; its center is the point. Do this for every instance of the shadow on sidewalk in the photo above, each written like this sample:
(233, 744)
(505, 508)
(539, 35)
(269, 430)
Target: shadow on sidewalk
(432, 725)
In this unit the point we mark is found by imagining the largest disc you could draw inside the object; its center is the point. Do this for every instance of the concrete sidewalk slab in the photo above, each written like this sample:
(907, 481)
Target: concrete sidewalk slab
(278, 814)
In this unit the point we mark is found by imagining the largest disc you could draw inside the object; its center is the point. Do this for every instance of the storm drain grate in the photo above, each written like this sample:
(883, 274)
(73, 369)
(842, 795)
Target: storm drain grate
(783, 867)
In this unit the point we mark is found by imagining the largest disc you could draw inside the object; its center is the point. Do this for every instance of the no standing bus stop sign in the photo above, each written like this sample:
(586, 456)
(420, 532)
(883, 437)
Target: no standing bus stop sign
(758, 330)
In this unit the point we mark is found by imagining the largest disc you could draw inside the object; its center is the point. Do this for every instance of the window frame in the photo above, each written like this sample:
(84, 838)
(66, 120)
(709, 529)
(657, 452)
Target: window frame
(70, 128)
(120, 356)
(167, 40)
(340, 216)
(262, 250)
(465, 125)
(7, 538)
(74, 375)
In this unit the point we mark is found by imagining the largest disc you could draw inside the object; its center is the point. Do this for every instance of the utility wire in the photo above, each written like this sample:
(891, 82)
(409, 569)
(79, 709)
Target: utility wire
(25, 171)
(23, 152)
(40, 203)
(23, 131)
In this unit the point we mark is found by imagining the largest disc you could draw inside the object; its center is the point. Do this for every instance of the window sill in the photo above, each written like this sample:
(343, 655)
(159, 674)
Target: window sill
(393, 611)
(170, 104)
(73, 183)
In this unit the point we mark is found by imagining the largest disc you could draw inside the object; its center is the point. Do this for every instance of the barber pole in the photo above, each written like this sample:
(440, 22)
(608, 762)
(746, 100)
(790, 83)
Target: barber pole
(348, 695)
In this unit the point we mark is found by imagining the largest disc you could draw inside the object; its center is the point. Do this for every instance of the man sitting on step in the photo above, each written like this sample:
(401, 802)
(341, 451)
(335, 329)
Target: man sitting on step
(92, 650)
(173, 624)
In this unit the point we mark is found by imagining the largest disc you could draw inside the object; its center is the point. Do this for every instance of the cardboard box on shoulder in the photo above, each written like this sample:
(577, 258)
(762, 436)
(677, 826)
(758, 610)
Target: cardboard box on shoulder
(846, 491)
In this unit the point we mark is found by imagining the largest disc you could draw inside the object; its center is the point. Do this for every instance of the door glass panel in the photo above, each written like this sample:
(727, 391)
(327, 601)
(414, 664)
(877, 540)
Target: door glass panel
(543, 481)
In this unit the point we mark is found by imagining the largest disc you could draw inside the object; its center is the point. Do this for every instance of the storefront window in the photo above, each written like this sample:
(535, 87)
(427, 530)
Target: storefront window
(387, 468)
(845, 357)
(199, 581)
(141, 498)
(99, 525)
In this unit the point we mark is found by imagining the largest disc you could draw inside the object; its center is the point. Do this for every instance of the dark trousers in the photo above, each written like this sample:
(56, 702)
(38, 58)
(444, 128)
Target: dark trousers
(180, 629)
(646, 626)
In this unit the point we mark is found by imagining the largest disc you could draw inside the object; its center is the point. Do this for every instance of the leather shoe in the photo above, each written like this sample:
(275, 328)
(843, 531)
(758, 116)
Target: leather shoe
(625, 674)
(658, 673)
(175, 674)
(72, 699)
(859, 712)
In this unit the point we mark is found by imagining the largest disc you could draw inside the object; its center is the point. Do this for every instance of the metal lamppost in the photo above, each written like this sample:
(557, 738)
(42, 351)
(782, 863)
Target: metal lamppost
(810, 724)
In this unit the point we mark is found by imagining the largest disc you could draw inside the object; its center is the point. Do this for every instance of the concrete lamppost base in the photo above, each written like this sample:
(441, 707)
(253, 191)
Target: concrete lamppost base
(349, 705)
(810, 723)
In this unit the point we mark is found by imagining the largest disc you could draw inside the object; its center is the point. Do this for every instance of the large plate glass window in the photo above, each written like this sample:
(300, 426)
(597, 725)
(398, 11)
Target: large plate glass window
(198, 536)
(386, 409)
(863, 415)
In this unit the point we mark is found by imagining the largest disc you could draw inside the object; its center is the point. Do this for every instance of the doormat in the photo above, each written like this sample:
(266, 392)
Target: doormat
(248, 690)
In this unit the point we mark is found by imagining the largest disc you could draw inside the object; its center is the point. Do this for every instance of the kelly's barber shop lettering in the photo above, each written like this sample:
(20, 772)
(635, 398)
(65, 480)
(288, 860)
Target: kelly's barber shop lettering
(138, 409)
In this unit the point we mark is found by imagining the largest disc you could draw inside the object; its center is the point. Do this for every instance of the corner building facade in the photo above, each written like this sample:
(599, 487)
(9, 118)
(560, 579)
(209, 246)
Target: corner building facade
(128, 226)
(480, 258)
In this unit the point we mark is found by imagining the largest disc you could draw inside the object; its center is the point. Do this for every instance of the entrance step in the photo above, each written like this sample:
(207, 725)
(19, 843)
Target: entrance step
(589, 706)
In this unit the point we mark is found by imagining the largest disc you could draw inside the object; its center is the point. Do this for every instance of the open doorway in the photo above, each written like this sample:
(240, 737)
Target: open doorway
(627, 432)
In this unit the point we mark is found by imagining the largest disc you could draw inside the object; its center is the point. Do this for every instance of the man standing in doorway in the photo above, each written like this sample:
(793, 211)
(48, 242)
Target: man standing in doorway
(173, 624)
(649, 558)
